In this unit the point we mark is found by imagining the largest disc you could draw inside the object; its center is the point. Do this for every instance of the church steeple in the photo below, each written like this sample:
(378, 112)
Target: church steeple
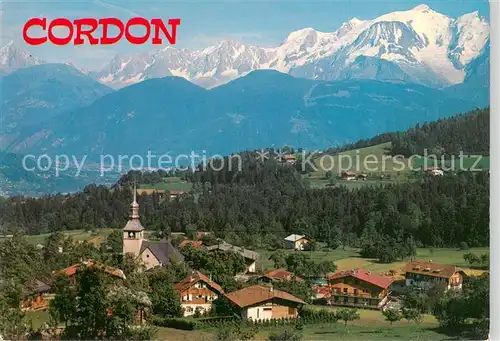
(134, 206)
(133, 230)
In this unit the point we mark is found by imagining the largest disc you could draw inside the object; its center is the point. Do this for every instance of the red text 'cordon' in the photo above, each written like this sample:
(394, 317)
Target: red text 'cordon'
(82, 31)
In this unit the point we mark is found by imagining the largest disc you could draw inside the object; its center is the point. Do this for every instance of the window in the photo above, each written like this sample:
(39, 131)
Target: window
(355, 291)
(291, 310)
(268, 309)
(345, 290)
(147, 256)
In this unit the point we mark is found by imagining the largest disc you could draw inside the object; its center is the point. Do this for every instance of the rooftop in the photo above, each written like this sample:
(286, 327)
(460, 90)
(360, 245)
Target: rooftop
(430, 269)
(194, 278)
(363, 275)
(71, 270)
(294, 237)
(256, 294)
(281, 274)
(248, 254)
(163, 250)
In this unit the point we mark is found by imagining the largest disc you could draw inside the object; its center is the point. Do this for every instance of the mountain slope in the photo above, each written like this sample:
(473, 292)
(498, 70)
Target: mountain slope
(33, 95)
(265, 108)
(423, 46)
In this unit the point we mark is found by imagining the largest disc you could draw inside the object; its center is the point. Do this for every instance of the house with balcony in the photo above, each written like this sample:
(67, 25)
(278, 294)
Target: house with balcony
(197, 292)
(359, 288)
(424, 275)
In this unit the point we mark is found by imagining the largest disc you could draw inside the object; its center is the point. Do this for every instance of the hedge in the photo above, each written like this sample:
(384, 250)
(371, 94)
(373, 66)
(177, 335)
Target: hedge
(176, 323)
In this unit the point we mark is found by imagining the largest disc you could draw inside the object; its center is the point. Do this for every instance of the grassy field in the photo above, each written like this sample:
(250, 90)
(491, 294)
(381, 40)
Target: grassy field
(97, 237)
(171, 183)
(380, 167)
(371, 326)
(350, 259)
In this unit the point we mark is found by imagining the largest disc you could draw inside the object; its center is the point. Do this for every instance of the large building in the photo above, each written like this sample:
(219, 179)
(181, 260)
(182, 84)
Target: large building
(197, 292)
(259, 302)
(424, 275)
(151, 254)
(359, 288)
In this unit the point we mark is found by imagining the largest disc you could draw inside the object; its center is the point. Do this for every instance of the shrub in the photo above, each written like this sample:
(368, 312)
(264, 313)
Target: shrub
(176, 323)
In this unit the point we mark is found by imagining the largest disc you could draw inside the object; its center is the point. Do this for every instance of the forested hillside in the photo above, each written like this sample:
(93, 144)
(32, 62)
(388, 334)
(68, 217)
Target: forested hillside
(265, 202)
(468, 132)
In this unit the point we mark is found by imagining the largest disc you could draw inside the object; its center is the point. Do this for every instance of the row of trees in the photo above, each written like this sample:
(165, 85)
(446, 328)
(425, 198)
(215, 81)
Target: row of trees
(260, 207)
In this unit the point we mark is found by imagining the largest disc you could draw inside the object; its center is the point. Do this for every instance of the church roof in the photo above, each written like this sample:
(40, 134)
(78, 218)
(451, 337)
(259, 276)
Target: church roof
(163, 250)
(133, 225)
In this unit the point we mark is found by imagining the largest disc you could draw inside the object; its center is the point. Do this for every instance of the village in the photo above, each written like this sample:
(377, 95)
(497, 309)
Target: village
(261, 297)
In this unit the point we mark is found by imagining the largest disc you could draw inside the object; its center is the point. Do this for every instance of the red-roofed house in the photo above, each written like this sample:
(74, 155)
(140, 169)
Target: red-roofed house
(348, 175)
(197, 292)
(359, 288)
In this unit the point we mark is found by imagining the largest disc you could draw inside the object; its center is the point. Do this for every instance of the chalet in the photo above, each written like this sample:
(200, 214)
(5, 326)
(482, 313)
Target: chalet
(36, 296)
(152, 254)
(423, 275)
(278, 275)
(359, 288)
(296, 242)
(259, 302)
(348, 175)
(249, 256)
(434, 171)
(197, 292)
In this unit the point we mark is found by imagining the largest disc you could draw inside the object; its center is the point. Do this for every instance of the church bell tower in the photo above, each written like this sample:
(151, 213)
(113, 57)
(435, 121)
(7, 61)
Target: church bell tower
(133, 232)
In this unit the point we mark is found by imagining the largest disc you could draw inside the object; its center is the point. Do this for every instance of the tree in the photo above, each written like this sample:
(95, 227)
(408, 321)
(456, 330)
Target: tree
(347, 315)
(165, 300)
(412, 314)
(278, 258)
(114, 242)
(392, 315)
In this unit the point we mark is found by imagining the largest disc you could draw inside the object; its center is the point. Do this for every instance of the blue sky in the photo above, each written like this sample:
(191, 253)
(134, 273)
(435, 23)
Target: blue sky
(207, 22)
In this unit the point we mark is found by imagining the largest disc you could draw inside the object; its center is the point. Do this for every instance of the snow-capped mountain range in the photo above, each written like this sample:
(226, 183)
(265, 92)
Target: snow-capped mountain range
(419, 46)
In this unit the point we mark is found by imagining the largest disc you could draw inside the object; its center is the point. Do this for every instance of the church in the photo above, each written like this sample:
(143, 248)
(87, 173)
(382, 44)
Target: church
(151, 253)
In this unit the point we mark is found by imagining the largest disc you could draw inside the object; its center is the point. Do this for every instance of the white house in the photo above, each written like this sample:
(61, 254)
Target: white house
(296, 242)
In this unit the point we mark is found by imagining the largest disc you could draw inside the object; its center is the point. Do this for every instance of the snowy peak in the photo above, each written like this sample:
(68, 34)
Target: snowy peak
(470, 34)
(428, 47)
(12, 58)
(422, 8)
